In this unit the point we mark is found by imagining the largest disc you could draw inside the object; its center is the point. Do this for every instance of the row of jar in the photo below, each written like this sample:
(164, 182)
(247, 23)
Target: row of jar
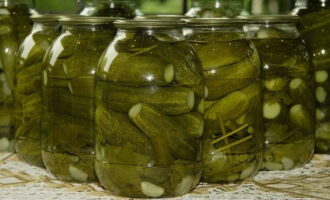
(167, 100)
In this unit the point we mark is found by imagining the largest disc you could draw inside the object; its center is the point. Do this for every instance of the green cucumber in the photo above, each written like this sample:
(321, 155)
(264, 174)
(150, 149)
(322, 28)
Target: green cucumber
(118, 130)
(130, 69)
(302, 118)
(155, 124)
(194, 123)
(62, 101)
(169, 100)
(219, 54)
(224, 80)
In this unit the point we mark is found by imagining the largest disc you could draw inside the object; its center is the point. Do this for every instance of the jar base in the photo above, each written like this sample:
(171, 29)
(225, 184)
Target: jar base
(287, 156)
(148, 182)
(70, 168)
(29, 151)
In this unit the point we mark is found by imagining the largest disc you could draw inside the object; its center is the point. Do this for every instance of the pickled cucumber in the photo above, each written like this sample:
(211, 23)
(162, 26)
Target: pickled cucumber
(246, 71)
(82, 86)
(117, 131)
(215, 55)
(194, 123)
(142, 70)
(147, 119)
(62, 101)
(170, 100)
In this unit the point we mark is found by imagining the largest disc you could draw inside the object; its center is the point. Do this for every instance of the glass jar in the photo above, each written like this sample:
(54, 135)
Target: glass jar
(28, 87)
(233, 137)
(289, 105)
(215, 8)
(111, 8)
(314, 26)
(149, 115)
(15, 25)
(68, 97)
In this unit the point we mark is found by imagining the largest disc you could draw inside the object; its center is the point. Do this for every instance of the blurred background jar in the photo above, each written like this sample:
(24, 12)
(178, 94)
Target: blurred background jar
(314, 26)
(68, 96)
(15, 24)
(111, 8)
(233, 136)
(149, 115)
(28, 87)
(215, 8)
(258, 7)
(289, 102)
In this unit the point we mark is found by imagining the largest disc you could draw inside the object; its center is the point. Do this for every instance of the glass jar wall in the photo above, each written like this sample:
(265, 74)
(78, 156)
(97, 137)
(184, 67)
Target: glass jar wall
(149, 115)
(289, 105)
(15, 25)
(28, 87)
(215, 8)
(314, 26)
(68, 97)
(233, 138)
(110, 8)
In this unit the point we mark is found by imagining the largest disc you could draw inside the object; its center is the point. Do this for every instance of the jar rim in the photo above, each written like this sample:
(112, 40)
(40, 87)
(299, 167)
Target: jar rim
(81, 20)
(224, 21)
(163, 17)
(261, 19)
(46, 17)
(149, 23)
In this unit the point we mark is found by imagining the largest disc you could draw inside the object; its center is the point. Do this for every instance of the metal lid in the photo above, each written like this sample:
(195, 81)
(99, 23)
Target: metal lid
(163, 17)
(149, 23)
(78, 19)
(215, 22)
(261, 19)
(46, 18)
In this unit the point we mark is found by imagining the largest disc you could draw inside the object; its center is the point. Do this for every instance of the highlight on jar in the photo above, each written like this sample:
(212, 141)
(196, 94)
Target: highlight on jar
(233, 138)
(149, 111)
(289, 103)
